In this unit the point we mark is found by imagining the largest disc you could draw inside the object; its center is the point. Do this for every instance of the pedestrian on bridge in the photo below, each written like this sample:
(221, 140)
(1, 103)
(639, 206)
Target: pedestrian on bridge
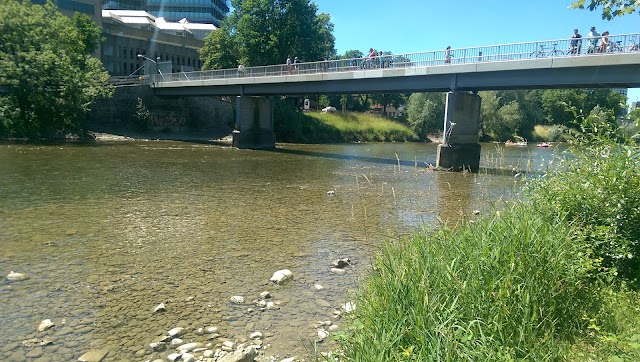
(593, 38)
(604, 42)
(447, 55)
(576, 42)
(296, 61)
(289, 64)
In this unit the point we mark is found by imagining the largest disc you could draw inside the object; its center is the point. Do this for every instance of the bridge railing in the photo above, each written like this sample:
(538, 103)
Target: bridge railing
(623, 43)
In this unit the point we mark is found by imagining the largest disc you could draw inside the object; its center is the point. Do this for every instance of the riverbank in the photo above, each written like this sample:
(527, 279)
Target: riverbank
(554, 277)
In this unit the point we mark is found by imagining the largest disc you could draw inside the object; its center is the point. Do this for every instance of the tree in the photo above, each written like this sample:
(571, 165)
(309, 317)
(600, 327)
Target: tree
(48, 79)
(426, 113)
(610, 8)
(501, 116)
(388, 99)
(264, 32)
(557, 104)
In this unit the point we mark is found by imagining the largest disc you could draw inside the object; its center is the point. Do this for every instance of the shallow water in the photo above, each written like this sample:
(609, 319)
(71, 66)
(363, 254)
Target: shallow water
(108, 231)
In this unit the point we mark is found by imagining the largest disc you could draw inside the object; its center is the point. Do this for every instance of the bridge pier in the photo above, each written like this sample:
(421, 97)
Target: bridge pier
(254, 123)
(460, 149)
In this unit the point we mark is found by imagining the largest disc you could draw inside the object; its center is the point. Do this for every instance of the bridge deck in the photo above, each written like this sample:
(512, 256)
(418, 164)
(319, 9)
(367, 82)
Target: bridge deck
(508, 67)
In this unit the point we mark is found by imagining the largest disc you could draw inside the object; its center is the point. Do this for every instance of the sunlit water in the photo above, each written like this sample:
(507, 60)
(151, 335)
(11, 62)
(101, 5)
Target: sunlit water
(108, 231)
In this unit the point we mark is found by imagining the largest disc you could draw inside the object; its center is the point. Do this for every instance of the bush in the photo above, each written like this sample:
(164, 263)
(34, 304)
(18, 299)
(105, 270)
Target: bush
(511, 287)
(598, 187)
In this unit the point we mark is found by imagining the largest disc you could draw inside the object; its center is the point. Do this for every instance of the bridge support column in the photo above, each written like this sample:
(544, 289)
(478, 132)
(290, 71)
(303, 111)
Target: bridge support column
(254, 123)
(460, 149)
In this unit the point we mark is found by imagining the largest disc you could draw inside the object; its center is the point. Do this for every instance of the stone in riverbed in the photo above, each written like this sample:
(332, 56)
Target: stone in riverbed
(342, 263)
(241, 355)
(237, 299)
(188, 357)
(281, 276)
(94, 355)
(45, 324)
(188, 347)
(13, 276)
(176, 332)
(160, 308)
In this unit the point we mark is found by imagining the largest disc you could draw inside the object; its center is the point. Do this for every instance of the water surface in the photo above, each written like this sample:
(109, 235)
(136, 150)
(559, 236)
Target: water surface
(108, 231)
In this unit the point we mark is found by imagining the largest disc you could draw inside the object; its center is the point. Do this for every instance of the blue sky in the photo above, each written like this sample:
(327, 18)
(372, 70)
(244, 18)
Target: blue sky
(404, 26)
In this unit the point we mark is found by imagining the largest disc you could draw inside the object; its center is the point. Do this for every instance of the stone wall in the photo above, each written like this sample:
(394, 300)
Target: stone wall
(205, 117)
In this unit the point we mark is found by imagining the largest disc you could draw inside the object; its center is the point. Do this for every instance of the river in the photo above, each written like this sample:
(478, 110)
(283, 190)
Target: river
(107, 231)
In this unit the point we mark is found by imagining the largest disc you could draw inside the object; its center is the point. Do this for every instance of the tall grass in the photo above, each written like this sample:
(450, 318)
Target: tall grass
(291, 125)
(511, 287)
(365, 127)
(534, 282)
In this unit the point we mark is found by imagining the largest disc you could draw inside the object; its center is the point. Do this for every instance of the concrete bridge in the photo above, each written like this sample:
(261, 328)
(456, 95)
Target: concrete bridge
(461, 73)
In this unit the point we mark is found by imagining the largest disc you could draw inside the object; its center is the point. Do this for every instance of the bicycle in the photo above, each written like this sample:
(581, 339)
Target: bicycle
(540, 53)
(615, 47)
(633, 47)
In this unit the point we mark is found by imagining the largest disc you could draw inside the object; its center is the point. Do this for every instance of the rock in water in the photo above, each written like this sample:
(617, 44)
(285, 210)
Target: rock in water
(281, 276)
(13, 276)
(45, 324)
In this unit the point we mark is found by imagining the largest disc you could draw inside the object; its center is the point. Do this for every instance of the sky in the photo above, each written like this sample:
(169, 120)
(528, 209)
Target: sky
(405, 26)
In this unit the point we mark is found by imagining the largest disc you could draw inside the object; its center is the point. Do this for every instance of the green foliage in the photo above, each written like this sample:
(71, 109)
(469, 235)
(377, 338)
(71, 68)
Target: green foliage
(385, 100)
(634, 115)
(554, 133)
(48, 80)
(610, 8)
(598, 187)
(514, 286)
(220, 50)
(507, 114)
(614, 334)
(426, 113)
(291, 125)
(264, 32)
(88, 31)
(142, 116)
(499, 120)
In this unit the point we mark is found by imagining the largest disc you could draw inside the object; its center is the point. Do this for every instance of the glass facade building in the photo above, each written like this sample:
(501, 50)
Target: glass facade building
(195, 11)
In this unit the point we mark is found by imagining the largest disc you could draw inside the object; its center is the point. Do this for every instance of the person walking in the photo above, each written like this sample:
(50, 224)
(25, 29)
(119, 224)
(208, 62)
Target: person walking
(593, 38)
(296, 61)
(289, 64)
(447, 55)
(576, 42)
(240, 70)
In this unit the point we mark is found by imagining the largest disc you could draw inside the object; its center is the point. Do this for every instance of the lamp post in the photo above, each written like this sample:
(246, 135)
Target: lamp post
(154, 62)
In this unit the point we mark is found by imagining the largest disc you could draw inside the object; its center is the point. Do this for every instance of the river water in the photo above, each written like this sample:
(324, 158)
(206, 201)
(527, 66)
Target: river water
(108, 231)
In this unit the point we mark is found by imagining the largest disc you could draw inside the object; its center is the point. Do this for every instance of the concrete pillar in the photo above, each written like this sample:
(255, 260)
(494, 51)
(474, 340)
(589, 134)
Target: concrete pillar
(254, 123)
(460, 149)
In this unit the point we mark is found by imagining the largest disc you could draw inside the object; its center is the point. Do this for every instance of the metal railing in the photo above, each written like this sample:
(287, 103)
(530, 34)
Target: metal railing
(624, 43)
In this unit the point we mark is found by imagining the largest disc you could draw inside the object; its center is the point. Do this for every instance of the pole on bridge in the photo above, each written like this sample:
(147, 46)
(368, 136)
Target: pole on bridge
(460, 149)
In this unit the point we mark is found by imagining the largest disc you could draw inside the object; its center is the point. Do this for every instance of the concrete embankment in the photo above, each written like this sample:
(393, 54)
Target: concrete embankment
(135, 112)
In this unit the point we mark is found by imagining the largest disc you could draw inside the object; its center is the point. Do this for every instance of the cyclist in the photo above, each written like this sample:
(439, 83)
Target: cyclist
(576, 42)
(371, 58)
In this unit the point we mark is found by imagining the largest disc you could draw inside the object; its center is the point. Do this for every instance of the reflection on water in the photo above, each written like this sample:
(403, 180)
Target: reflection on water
(108, 231)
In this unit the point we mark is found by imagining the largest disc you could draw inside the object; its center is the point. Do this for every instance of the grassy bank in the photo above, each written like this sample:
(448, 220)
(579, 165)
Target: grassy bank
(547, 279)
(294, 126)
